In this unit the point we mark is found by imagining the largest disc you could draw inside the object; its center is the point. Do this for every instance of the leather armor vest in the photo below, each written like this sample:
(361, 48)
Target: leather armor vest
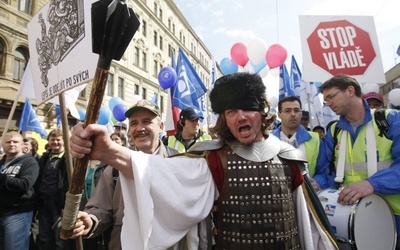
(256, 206)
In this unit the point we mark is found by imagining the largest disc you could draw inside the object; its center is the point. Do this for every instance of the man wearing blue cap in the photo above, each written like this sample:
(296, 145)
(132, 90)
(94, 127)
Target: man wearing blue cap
(188, 131)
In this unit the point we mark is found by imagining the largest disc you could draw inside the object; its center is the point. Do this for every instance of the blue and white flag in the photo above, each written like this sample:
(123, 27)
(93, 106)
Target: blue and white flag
(30, 121)
(285, 88)
(189, 87)
(295, 77)
(58, 114)
(213, 77)
(311, 102)
(155, 98)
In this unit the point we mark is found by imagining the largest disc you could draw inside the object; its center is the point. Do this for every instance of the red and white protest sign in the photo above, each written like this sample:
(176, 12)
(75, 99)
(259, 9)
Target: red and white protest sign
(333, 45)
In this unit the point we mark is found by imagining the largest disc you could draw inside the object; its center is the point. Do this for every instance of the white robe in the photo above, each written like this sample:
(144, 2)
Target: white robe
(168, 197)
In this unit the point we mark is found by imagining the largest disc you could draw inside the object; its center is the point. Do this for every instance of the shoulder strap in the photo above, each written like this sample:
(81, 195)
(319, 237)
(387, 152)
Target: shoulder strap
(335, 141)
(381, 122)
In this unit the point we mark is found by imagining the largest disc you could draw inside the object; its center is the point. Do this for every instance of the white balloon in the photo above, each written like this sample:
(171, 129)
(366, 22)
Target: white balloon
(394, 97)
(370, 87)
(264, 72)
(256, 50)
(274, 101)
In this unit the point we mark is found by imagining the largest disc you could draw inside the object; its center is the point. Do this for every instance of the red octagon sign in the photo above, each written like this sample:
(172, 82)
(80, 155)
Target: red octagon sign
(341, 47)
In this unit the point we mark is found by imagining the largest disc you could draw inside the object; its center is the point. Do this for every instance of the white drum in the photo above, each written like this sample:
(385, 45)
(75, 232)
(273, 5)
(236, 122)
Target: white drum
(368, 224)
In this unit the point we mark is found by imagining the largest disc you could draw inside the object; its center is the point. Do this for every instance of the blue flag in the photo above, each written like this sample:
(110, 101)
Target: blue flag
(295, 77)
(30, 121)
(58, 114)
(155, 98)
(285, 88)
(189, 87)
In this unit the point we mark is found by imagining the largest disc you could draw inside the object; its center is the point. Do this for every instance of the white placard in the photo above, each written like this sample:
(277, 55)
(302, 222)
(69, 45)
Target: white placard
(60, 45)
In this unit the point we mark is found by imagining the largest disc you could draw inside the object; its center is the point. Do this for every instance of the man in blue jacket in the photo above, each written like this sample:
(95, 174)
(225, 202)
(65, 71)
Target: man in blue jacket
(292, 132)
(362, 146)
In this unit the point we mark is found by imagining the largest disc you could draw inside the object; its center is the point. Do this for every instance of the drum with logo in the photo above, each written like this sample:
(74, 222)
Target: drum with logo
(368, 224)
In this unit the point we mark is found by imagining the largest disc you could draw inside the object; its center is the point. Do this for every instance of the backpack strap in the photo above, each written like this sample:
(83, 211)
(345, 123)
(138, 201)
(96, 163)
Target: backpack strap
(380, 119)
(332, 166)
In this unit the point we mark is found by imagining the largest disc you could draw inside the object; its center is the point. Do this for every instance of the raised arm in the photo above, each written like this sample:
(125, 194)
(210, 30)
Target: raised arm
(95, 141)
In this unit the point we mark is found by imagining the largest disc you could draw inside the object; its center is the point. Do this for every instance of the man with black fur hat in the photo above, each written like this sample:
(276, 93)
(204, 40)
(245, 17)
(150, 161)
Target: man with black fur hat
(255, 179)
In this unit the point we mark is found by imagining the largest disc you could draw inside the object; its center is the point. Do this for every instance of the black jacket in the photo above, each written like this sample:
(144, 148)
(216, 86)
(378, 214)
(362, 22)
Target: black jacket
(63, 184)
(16, 185)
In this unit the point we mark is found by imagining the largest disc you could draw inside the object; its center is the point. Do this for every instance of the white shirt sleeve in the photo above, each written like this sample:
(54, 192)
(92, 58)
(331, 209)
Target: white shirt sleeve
(166, 198)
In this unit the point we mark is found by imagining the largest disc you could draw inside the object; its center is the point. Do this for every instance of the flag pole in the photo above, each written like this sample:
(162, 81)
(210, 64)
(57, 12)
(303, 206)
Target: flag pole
(68, 158)
(12, 111)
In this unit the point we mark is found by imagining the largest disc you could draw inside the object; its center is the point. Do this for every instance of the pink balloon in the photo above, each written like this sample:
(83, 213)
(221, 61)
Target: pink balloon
(239, 54)
(276, 55)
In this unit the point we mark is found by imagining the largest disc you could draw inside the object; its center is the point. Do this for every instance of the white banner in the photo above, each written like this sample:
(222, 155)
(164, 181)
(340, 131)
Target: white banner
(60, 45)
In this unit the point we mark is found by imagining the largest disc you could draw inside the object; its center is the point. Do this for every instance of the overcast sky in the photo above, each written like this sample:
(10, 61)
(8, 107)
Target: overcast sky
(222, 23)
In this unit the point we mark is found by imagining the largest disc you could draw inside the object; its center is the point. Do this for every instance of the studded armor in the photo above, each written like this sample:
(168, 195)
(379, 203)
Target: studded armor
(256, 207)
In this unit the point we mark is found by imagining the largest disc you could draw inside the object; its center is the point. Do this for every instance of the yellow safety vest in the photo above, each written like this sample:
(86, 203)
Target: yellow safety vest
(355, 169)
(312, 151)
(180, 146)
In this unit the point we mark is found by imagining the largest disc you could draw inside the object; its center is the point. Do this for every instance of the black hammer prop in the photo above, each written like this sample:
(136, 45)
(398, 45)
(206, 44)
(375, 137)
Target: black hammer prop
(113, 26)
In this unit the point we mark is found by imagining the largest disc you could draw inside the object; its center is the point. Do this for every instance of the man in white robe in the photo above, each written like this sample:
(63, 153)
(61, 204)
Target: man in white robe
(165, 198)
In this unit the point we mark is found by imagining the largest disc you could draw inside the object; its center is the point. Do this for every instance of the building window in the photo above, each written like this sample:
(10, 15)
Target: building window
(161, 103)
(25, 6)
(155, 69)
(155, 38)
(136, 90)
(171, 51)
(136, 57)
(160, 14)
(121, 87)
(144, 61)
(161, 43)
(144, 28)
(155, 9)
(169, 24)
(82, 94)
(110, 84)
(173, 29)
(20, 60)
(1, 56)
(144, 93)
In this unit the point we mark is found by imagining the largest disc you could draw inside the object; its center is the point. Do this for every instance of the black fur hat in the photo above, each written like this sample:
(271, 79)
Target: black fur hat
(238, 91)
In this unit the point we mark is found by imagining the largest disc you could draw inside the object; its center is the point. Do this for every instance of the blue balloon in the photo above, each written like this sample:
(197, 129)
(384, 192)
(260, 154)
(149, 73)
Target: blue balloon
(119, 112)
(104, 116)
(82, 114)
(114, 101)
(228, 66)
(257, 68)
(167, 77)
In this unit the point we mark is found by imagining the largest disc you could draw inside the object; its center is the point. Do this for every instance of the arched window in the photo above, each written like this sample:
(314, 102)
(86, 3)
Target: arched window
(20, 60)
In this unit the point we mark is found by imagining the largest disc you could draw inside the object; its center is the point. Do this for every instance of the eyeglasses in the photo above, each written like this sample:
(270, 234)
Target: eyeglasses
(289, 111)
(329, 98)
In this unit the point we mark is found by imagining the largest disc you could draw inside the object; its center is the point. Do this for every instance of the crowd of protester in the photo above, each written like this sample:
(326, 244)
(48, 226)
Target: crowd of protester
(42, 181)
